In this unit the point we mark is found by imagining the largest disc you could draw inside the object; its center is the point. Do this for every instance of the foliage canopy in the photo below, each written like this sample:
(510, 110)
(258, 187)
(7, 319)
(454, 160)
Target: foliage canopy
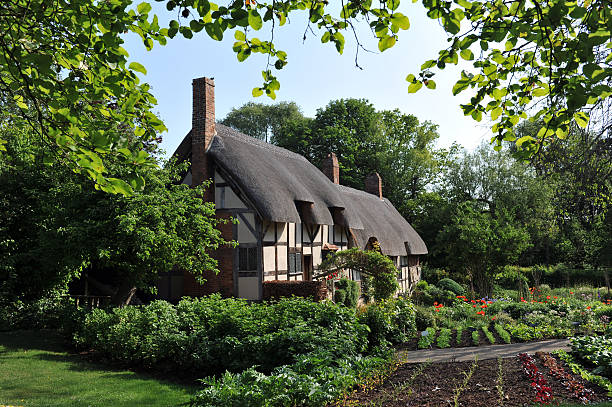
(65, 74)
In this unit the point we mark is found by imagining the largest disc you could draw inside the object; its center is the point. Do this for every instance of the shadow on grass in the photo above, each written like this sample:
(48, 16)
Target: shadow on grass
(50, 346)
(43, 340)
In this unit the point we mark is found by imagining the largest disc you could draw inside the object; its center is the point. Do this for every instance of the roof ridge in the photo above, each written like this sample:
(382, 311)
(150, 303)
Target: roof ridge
(230, 132)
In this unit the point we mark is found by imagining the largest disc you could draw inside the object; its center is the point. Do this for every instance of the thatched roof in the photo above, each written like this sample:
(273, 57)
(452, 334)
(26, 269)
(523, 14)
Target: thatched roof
(277, 181)
(382, 221)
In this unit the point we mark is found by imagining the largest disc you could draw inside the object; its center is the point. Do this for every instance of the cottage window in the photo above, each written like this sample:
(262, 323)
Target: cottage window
(295, 263)
(247, 258)
(403, 261)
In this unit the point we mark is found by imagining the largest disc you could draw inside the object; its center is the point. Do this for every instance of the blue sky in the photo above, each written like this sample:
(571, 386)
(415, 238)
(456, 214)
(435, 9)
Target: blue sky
(316, 74)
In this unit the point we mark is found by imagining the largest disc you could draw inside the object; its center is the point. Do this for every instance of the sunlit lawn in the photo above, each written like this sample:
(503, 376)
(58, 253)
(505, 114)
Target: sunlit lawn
(36, 369)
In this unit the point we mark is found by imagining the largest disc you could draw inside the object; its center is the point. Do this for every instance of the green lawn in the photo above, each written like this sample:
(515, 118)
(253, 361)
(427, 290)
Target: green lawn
(36, 369)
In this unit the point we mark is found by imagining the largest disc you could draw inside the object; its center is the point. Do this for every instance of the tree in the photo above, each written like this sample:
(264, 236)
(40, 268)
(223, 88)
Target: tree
(64, 75)
(55, 227)
(579, 168)
(262, 121)
(63, 70)
(391, 143)
(478, 244)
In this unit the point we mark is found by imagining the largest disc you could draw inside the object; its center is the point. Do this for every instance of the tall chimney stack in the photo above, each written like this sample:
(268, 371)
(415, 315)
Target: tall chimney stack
(202, 128)
(373, 185)
(330, 168)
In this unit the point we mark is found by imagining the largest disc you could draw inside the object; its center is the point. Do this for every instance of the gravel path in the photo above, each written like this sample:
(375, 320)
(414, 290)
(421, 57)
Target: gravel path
(483, 352)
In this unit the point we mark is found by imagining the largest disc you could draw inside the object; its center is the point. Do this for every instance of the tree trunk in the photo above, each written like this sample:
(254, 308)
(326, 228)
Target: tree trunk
(124, 294)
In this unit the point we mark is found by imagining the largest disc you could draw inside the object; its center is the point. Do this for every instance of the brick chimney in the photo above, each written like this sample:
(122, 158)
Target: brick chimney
(373, 185)
(202, 129)
(330, 168)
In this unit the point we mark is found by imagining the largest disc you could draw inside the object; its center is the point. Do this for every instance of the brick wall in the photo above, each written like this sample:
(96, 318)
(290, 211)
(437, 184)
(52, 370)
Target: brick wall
(216, 283)
(373, 185)
(202, 131)
(331, 169)
(316, 290)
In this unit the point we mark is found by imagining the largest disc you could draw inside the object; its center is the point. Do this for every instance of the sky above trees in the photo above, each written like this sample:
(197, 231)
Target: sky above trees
(315, 75)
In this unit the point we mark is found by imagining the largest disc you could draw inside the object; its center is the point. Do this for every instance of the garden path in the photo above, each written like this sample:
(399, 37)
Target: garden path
(483, 352)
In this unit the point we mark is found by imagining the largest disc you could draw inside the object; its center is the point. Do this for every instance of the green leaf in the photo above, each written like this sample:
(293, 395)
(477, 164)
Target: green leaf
(143, 8)
(386, 43)
(255, 19)
(430, 84)
(239, 35)
(401, 21)
(119, 186)
(257, 92)
(460, 86)
(582, 119)
(393, 4)
(539, 92)
(414, 87)
(214, 31)
(495, 113)
(467, 54)
(135, 66)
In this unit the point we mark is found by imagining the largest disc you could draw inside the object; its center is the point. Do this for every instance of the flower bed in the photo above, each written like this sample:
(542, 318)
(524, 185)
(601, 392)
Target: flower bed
(569, 381)
(538, 382)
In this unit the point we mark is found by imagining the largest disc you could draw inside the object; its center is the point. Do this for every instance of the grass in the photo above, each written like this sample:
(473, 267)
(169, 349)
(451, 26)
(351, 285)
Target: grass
(38, 370)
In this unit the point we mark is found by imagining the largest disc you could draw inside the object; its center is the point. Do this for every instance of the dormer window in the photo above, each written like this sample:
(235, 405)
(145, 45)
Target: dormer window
(338, 215)
(305, 210)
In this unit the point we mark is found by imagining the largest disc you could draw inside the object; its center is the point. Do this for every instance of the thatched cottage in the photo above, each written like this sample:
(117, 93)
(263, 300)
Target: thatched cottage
(290, 213)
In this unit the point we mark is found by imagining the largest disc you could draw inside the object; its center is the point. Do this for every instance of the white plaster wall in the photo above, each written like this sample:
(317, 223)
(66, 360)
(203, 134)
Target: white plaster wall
(282, 258)
(232, 200)
(269, 236)
(244, 234)
(291, 232)
(282, 232)
(269, 258)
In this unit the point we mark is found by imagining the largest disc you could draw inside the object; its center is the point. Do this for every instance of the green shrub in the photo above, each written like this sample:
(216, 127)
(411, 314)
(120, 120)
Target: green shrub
(513, 278)
(603, 312)
(389, 321)
(451, 285)
(46, 313)
(424, 318)
(516, 310)
(340, 296)
(459, 334)
(433, 275)
(349, 290)
(312, 381)
(427, 338)
(433, 294)
(210, 334)
(422, 285)
(597, 350)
